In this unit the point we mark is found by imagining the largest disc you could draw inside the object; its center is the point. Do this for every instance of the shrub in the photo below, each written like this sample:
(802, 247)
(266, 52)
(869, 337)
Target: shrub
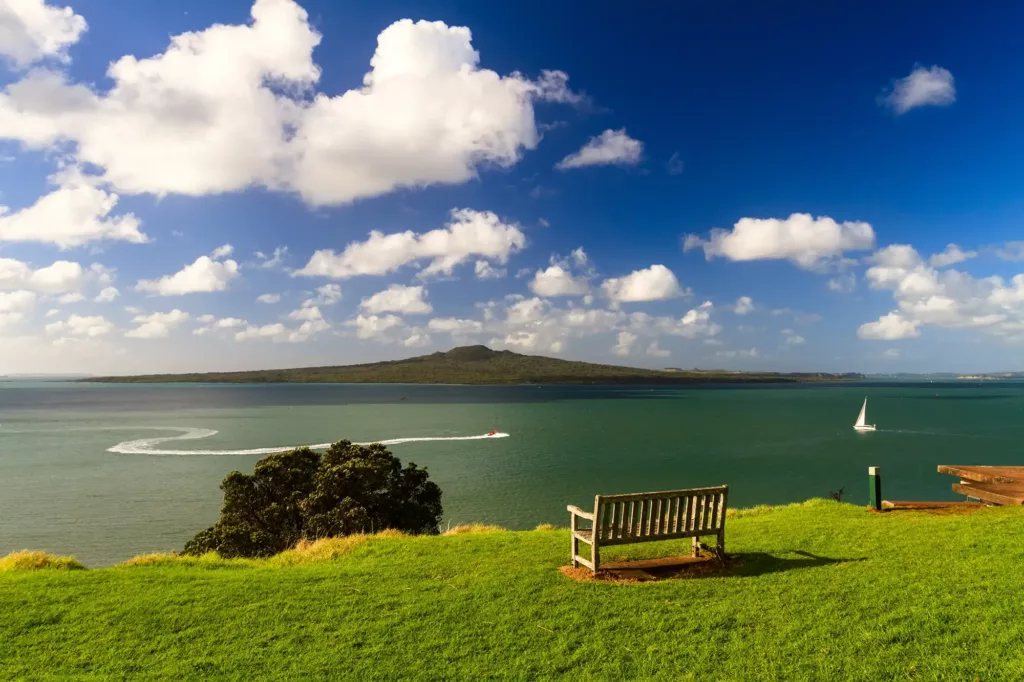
(299, 495)
(27, 560)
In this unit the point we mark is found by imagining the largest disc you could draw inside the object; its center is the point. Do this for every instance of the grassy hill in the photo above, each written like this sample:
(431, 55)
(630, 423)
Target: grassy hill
(478, 365)
(818, 590)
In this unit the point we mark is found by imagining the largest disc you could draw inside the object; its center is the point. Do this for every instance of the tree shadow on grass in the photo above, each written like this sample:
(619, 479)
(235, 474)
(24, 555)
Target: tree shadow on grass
(743, 564)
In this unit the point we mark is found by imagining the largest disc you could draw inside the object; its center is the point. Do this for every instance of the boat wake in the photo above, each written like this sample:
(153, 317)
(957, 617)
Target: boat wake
(148, 446)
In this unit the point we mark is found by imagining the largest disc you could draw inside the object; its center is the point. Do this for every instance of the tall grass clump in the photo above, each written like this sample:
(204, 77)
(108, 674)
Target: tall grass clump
(474, 529)
(29, 560)
(207, 560)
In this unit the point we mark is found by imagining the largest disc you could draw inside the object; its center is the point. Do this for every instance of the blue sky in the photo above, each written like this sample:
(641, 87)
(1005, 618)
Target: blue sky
(722, 185)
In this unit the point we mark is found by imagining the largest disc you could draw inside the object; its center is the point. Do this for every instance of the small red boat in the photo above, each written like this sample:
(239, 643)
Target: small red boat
(493, 433)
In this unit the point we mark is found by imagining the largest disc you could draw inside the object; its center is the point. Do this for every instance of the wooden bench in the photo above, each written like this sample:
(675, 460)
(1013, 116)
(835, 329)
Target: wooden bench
(648, 517)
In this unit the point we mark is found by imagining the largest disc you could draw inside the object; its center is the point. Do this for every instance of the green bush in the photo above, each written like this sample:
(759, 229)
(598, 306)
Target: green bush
(300, 495)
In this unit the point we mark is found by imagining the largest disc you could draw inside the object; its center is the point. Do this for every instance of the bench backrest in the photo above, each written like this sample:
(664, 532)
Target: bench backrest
(639, 517)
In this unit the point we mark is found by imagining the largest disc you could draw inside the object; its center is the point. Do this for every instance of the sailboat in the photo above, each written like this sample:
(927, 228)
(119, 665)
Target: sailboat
(860, 425)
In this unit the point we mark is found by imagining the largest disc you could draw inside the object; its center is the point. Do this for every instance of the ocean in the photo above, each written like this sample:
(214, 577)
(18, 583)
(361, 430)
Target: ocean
(64, 490)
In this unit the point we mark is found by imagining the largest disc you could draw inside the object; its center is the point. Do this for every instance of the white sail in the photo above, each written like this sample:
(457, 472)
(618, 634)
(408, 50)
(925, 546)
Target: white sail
(863, 414)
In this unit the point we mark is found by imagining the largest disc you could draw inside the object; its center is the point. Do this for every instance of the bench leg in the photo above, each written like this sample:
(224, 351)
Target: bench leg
(595, 555)
(574, 546)
(721, 545)
(696, 547)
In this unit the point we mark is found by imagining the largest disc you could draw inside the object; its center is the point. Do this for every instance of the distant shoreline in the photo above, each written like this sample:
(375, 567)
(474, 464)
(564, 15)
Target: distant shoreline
(622, 381)
(479, 365)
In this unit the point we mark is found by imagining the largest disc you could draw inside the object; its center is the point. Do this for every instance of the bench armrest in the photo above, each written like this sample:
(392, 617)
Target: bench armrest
(573, 509)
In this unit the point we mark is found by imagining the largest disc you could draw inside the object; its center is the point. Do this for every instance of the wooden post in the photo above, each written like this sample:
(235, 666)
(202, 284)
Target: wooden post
(874, 489)
(595, 534)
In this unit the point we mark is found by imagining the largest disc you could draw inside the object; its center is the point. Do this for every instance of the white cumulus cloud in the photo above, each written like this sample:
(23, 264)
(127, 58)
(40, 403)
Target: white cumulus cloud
(268, 298)
(156, 325)
(889, 328)
(212, 324)
(204, 275)
(484, 270)
(655, 283)
(70, 216)
(624, 343)
(306, 313)
(744, 305)
(222, 251)
(107, 294)
(452, 325)
(272, 261)
(925, 86)
(58, 278)
(809, 242)
(374, 326)
(926, 294)
(84, 326)
(234, 106)
(558, 281)
(398, 298)
(31, 30)
(267, 331)
(328, 294)
(469, 233)
(952, 255)
(20, 301)
(612, 147)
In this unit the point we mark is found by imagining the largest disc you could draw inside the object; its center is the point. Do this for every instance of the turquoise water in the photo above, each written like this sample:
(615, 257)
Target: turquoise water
(61, 490)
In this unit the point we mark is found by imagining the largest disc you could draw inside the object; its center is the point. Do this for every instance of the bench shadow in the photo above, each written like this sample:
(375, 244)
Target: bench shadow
(739, 565)
(762, 563)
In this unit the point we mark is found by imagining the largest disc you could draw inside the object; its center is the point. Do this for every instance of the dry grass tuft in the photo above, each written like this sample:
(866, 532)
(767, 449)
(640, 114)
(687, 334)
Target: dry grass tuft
(545, 526)
(305, 553)
(308, 552)
(208, 560)
(391, 534)
(473, 529)
(28, 560)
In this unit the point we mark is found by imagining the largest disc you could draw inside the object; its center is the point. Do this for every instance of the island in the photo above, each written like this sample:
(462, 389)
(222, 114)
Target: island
(481, 365)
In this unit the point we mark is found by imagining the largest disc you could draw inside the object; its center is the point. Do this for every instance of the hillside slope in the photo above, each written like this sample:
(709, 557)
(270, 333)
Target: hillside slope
(819, 591)
(477, 365)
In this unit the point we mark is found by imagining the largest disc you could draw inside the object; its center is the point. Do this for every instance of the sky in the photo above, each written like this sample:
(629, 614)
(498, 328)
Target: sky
(224, 184)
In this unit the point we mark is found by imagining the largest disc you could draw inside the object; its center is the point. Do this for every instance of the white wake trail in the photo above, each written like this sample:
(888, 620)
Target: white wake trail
(148, 446)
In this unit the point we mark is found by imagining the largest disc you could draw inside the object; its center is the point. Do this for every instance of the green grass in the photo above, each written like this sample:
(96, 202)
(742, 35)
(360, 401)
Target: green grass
(824, 591)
